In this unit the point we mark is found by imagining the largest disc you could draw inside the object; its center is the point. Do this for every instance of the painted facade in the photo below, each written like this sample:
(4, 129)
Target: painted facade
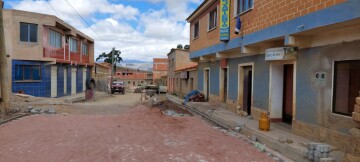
(177, 59)
(310, 86)
(186, 79)
(47, 57)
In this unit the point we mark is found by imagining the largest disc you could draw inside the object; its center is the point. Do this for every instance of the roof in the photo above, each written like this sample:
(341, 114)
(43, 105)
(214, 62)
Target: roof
(190, 67)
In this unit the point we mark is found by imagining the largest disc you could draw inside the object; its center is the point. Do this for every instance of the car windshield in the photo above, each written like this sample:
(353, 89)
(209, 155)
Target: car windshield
(118, 83)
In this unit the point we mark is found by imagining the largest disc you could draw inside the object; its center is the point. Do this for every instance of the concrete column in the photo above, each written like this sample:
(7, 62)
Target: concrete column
(84, 78)
(65, 81)
(73, 81)
(54, 81)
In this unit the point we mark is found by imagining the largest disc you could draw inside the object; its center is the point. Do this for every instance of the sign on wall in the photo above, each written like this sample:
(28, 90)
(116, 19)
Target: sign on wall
(224, 20)
(281, 53)
(184, 75)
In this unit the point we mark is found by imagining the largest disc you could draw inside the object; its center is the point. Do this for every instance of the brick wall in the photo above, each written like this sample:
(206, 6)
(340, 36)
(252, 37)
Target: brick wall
(265, 13)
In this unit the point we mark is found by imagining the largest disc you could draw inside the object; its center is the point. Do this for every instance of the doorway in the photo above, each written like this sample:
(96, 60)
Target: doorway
(247, 89)
(207, 84)
(288, 90)
(282, 92)
(223, 84)
(245, 86)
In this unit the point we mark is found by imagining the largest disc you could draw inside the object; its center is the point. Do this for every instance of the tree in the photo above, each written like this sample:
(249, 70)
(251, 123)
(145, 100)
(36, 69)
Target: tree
(108, 58)
(179, 46)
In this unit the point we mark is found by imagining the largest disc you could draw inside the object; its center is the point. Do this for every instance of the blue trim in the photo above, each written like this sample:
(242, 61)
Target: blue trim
(342, 12)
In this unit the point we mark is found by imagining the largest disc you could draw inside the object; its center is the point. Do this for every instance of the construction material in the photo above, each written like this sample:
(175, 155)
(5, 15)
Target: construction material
(317, 152)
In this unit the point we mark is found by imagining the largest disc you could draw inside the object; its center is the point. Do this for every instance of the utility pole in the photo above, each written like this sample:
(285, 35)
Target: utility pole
(112, 67)
(3, 66)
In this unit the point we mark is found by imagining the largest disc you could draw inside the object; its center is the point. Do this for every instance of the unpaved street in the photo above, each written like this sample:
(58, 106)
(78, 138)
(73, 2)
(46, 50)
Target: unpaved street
(119, 129)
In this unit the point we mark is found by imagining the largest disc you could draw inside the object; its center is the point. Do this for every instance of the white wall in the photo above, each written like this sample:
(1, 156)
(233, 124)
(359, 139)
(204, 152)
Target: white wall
(53, 81)
(73, 81)
(276, 89)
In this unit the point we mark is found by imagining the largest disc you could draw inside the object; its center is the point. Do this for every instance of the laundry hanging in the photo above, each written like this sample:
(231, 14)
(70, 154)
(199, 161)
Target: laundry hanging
(238, 25)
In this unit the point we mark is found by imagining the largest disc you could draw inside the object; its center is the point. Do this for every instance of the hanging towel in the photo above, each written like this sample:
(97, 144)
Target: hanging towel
(238, 25)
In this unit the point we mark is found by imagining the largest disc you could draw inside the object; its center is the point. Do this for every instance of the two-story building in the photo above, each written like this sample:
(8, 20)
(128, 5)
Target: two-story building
(46, 56)
(297, 60)
(178, 60)
(133, 77)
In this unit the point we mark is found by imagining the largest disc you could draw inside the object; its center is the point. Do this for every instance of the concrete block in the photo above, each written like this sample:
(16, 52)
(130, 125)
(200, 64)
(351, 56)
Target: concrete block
(358, 100)
(325, 155)
(316, 159)
(327, 160)
(310, 156)
(323, 148)
(356, 116)
(357, 108)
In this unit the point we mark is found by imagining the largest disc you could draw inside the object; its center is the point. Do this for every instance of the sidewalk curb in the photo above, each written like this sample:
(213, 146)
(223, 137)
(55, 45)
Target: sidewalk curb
(274, 144)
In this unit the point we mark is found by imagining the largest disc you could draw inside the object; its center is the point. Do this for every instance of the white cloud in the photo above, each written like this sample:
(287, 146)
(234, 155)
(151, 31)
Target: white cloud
(155, 31)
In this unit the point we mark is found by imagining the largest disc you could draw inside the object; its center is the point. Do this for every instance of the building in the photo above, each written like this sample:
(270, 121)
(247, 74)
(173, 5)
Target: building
(160, 66)
(133, 77)
(47, 57)
(298, 60)
(178, 60)
(186, 79)
(101, 73)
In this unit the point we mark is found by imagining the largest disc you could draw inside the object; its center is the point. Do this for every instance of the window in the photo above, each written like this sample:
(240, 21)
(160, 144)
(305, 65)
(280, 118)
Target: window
(212, 19)
(84, 49)
(73, 45)
(55, 39)
(27, 72)
(243, 6)
(346, 86)
(28, 32)
(196, 30)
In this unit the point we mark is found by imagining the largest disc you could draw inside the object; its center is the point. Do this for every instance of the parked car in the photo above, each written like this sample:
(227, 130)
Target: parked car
(151, 90)
(118, 87)
(163, 89)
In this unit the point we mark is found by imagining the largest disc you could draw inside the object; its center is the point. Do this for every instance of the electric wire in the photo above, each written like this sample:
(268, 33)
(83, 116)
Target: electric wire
(87, 23)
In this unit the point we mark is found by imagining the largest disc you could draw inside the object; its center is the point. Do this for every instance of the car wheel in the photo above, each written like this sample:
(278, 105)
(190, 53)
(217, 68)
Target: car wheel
(112, 92)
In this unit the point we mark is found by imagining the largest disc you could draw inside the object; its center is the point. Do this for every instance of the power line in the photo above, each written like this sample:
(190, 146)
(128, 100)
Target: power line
(87, 23)
(57, 14)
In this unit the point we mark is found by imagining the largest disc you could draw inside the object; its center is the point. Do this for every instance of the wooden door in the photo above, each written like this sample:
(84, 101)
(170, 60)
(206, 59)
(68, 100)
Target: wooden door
(207, 82)
(288, 93)
(247, 89)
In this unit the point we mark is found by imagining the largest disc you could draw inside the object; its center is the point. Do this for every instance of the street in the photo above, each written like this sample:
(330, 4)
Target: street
(119, 128)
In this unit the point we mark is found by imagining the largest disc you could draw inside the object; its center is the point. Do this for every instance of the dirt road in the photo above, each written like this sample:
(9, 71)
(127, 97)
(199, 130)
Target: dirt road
(117, 130)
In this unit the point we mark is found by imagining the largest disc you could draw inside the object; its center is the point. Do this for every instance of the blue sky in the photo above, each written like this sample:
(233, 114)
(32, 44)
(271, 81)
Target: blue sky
(141, 29)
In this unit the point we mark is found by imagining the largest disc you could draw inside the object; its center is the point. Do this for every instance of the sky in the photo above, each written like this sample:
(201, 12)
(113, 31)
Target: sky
(140, 29)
